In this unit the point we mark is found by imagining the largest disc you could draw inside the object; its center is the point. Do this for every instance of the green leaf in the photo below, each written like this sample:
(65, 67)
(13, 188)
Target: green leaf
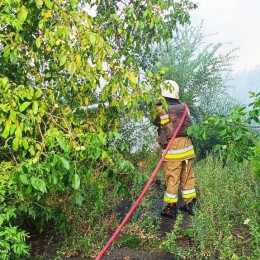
(102, 139)
(25, 144)
(110, 50)
(65, 163)
(79, 199)
(31, 151)
(4, 108)
(62, 144)
(252, 93)
(39, 3)
(238, 135)
(22, 14)
(34, 182)
(54, 160)
(74, 3)
(4, 81)
(5, 134)
(204, 134)
(104, 95)
(24, 106)
(15, 144)
(92, 38)
(72, 67)
(12, 129)
(1, 220)
(104, 155)
(132, 78)
(149, 74)
(13, 115)
(13, 58)
(38, 93)
(54, 178)
(18, 131)
(75, 181)
(78, 60)
(38, 42)
(223, 132)
(63, 60)
(24, 179)
(38, 184)
(48, 3)
(35, 107)
(42, 186)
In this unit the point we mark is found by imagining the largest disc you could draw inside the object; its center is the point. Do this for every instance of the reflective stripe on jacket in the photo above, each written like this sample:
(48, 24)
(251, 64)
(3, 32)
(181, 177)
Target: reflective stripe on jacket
(181, 149)
(180, 153)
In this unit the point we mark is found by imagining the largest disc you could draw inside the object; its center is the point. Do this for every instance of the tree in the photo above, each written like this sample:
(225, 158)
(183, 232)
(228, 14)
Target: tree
(54, 59)
(202, 73)
(238, 132)
(200, 69)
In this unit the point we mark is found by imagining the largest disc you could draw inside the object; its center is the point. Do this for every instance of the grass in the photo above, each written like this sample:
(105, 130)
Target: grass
(226, 224)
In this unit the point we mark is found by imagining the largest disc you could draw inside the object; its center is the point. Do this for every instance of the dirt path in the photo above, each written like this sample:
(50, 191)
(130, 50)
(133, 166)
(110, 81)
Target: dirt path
(133, 254)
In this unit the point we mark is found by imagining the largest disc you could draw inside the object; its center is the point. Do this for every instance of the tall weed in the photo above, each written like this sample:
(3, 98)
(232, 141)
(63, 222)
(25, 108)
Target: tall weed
(225, 224)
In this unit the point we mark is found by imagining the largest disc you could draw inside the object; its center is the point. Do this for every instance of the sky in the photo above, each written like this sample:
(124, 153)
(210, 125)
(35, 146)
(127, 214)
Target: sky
(233, 21)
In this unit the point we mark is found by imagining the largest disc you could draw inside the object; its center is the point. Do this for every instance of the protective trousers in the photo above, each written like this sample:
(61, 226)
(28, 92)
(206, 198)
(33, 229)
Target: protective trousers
(179, 174)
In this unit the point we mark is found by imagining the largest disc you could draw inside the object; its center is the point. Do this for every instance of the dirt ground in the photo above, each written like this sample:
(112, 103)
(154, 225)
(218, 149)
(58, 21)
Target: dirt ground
(125, 253)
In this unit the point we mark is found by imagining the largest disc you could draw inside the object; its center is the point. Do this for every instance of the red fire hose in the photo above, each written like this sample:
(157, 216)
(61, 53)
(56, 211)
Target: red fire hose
(129, 214)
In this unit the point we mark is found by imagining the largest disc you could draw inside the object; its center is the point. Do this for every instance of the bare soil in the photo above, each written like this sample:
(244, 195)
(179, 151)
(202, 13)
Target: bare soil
(125, 253)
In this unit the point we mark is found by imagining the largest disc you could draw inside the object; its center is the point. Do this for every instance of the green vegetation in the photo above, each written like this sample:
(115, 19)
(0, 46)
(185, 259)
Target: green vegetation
(65, 166)
(201, 70)
(226, 224)
(57, 156)
(238, 131)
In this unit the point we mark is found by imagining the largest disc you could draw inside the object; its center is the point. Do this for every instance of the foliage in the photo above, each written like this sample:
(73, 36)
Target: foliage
(55, 59)
(200, 69)
(238, 132)
(256, 159)
(12, 238)
(202, 73)
(226, 224)
(170, 245)
(139, 135)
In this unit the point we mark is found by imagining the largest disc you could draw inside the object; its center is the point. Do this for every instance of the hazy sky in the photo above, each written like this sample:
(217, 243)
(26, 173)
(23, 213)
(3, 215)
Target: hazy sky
(234, 21)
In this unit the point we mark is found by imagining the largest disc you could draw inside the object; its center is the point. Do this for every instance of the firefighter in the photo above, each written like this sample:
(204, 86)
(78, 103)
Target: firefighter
(178, 163)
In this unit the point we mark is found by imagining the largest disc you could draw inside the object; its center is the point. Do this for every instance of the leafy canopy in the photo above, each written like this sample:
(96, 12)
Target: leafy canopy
(55, 58)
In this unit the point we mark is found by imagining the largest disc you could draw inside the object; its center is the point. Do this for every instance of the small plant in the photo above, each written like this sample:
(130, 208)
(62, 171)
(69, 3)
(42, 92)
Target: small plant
(170, 242)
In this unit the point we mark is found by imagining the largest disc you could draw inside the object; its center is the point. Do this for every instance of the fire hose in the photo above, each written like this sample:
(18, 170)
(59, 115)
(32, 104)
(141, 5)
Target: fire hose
(129, 214)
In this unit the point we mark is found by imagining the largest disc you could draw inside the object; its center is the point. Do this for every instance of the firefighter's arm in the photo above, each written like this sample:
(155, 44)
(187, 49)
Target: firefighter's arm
(159, 112)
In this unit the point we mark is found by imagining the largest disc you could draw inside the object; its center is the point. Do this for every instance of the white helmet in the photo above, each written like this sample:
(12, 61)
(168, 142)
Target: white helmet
(170, 89)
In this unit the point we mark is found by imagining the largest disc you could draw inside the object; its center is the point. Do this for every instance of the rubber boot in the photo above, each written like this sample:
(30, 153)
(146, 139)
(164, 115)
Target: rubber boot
(170, 211)
(189, 207)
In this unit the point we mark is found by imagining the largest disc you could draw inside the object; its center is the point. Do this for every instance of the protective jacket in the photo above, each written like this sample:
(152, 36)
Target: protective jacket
(182, 148)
